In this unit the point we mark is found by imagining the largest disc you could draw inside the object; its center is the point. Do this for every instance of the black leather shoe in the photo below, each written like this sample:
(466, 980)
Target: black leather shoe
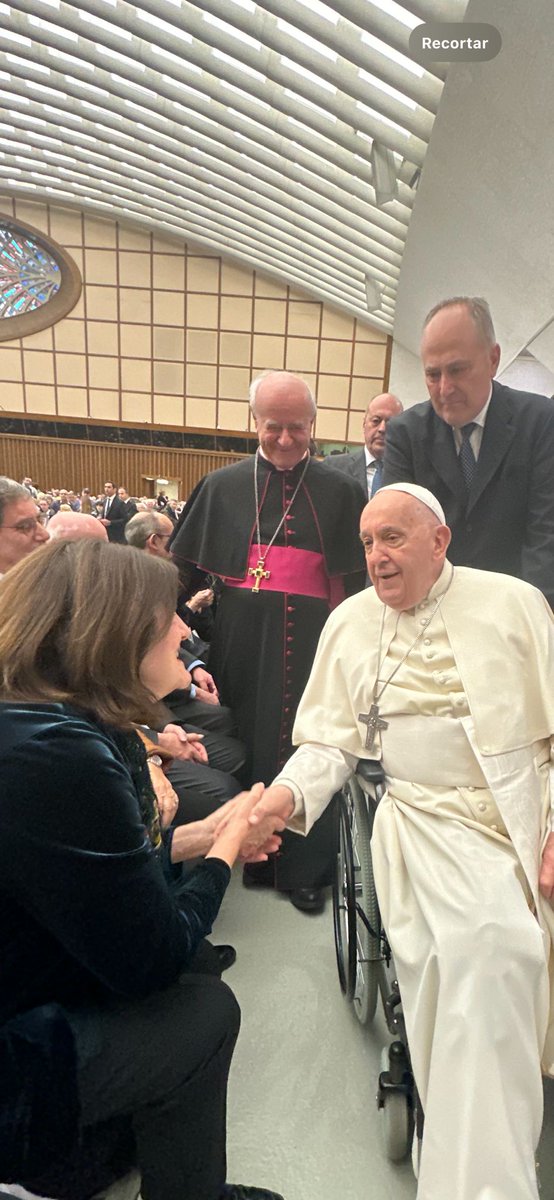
(310, 900)
(227, 955)
(237, 1191)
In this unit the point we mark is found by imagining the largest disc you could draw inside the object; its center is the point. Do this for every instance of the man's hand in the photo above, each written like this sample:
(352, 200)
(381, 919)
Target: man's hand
(104, 521)
(187, 747)
(267, 820)
(233, 836)
(208, 697)
(277, 801)
(201, 600)
(546, 874)
(168, 800)
(206, 682)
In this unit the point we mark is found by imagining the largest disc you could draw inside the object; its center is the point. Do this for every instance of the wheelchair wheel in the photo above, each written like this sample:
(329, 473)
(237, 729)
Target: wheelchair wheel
(344, 901)
(368, 926)
(355, 909)
(396, 1120)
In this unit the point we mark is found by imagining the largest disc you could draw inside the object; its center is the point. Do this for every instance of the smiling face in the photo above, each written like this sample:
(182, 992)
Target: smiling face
(284, 418)
(459, 365)
(405, 547)
(161, 671)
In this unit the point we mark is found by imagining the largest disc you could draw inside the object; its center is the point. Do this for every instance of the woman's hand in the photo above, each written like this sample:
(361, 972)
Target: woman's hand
(235, 835)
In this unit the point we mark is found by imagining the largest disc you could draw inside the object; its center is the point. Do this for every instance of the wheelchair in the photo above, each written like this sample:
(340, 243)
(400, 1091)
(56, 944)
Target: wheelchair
(364, 959)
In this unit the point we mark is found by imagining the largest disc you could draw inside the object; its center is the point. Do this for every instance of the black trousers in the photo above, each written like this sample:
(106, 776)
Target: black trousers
(308, 862)
(201, 788)
(152, 1080)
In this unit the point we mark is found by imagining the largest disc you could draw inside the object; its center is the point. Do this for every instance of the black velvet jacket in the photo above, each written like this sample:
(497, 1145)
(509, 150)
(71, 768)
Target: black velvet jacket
(86, 910)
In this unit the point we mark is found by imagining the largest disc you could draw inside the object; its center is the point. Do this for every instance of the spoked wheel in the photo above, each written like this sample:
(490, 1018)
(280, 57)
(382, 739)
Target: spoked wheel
(368, 926)
(355, 910)
(344, 900)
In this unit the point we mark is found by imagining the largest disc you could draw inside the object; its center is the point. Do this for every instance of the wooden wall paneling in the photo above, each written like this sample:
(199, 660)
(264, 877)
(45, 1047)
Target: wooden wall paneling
(62, 462)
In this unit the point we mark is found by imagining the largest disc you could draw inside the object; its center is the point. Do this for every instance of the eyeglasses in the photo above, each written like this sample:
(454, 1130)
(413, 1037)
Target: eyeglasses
(27, 526)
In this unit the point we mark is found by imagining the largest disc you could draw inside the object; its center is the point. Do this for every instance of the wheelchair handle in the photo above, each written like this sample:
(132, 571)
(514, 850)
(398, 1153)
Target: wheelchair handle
(370, 771)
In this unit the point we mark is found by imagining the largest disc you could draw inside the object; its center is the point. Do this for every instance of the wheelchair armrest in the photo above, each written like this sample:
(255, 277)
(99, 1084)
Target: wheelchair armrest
(370, 771)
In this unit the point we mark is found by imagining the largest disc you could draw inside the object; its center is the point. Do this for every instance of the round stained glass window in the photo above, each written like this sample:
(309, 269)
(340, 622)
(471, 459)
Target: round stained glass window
(39, 282)
(29, 276)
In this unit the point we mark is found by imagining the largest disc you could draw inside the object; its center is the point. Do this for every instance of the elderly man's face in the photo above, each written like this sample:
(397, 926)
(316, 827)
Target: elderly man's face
(20, 532)
(379, 412)
(284, 419)
(405, 548)
(459, 365)
(158, 543)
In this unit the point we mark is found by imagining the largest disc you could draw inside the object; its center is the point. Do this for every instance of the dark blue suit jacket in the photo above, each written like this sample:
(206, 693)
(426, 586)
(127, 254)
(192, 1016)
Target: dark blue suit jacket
(352, 464)
(506, 523)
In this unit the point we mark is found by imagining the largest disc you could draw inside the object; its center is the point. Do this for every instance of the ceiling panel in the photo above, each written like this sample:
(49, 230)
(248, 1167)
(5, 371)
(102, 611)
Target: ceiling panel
(287, 135)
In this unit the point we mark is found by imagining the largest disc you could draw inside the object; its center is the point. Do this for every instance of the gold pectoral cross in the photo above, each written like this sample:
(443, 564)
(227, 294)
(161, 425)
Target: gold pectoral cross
(374, 724)
(259, 573)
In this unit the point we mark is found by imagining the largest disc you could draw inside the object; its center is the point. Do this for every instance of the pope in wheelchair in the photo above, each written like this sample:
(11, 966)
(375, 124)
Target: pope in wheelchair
(444, 676)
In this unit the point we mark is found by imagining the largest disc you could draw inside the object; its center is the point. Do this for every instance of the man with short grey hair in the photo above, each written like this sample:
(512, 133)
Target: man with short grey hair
(150, 531)
(366, 465)
(485, 450)
(279, 531)
(21, 528)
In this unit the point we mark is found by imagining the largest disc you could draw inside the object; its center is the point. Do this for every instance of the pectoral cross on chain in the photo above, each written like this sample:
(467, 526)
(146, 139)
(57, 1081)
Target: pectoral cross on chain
(259, 573)
(374, 723)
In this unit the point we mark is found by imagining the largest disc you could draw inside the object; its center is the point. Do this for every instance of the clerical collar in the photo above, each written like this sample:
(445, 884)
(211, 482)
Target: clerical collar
(272, 464)
(372, 720)
(440, 586)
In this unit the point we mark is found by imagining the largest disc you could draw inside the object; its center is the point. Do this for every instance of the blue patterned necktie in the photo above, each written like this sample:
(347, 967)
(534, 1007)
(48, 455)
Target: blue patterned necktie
(377, 476)
(468, 461)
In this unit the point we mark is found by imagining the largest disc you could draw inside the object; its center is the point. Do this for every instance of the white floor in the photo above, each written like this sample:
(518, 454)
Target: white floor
(302, 1112)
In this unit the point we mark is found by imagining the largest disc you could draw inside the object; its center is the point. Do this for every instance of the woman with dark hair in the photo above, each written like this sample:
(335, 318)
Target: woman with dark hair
(114, 1049)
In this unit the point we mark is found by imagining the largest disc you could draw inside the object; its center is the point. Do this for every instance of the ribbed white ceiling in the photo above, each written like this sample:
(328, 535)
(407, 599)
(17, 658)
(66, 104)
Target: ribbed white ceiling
(259, 130)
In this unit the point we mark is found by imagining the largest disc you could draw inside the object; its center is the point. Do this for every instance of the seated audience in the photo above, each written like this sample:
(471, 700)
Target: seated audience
(100, 933)
(152, 532)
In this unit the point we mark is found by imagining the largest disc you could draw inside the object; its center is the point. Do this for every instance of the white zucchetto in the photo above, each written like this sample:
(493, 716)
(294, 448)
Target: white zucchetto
(419, 493)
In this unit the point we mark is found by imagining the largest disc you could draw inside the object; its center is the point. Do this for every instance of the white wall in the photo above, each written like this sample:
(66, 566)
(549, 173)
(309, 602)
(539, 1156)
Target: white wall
(483, 216)
(406, 376)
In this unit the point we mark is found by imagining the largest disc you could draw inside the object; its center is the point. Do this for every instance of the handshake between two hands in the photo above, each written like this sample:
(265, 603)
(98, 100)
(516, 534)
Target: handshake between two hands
(259, 816)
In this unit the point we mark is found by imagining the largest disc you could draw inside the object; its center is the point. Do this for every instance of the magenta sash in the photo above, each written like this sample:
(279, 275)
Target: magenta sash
(300, 572)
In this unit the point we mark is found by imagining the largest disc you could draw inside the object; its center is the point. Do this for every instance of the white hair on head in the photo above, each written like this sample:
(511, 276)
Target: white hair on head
(252, 390)
(419, 493)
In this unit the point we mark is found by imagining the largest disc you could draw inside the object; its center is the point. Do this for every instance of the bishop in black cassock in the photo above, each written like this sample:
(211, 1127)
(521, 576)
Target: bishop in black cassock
(269, 620)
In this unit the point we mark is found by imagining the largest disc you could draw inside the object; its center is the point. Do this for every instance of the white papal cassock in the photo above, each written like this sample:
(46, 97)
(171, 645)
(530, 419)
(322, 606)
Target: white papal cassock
(456, 850)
